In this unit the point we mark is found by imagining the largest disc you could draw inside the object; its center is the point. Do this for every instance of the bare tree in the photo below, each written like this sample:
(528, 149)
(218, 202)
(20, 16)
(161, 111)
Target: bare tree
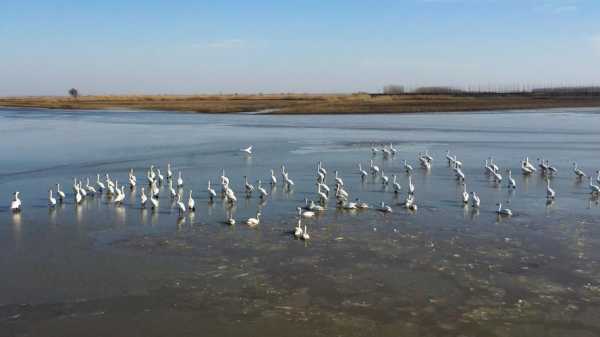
(74, 93)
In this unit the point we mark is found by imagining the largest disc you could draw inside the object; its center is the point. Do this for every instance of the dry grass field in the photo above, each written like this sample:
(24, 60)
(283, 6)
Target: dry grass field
(307, 104)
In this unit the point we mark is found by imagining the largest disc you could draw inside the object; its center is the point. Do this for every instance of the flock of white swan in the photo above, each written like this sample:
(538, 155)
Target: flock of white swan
(115, 192)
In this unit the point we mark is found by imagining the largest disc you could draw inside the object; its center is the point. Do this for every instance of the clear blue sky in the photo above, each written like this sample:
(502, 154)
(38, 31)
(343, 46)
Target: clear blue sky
(111, 46)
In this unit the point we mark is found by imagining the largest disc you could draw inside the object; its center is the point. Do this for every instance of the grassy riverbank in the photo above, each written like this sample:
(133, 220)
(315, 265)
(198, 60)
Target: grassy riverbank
(308, 104)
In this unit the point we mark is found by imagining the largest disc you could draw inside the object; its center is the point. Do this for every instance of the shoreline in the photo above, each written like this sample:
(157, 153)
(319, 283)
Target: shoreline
(297, 104)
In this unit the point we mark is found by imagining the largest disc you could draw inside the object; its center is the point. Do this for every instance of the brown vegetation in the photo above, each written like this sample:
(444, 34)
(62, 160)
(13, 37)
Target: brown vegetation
(308, 104)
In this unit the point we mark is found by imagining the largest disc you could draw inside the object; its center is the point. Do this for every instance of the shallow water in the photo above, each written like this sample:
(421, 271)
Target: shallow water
(445, 270)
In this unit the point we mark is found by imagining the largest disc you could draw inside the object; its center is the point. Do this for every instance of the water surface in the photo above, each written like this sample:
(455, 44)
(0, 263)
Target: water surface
(446, 270)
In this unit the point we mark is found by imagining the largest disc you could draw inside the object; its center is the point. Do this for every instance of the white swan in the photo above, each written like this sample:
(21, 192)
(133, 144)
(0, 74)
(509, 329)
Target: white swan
(465, 195)
(322, 196)
(51, 199)
(154, 202)
(324, 187)
(143, 197)
(61, 194)
(407, 167)
(449, 157)
(593, 187)
(427, 156)
(305, 235)
(172, 190)
(230, 195)
(81, 189)
(120, 196)
(211, 192)
(511, 181)
(314, 207)
(179, 180)
(230, 220)
(338, 180)
(425, 163)
(411, 186)
(321, 169)
(247, 150)
(78, 197)
(298, 229)
(476, 202)
(493, 166)
(15, 204)
(305, 214)
(363, 173)
(396, 185)
(460, 175)
(384, 208)
(100, 184)
(503, 211)
(169, 172)
(578, 172)
(91, 190)
(527, 164)
(253, 222)
(550, 193)
(154, 190)
(180, 205)
(161, 178)
(384, 179)
(374, 168)
(249, 187)
(191, 203)
(273, 178)
(261, 190)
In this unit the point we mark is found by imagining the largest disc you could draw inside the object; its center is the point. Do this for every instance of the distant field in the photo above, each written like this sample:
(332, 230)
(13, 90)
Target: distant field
(309, 104)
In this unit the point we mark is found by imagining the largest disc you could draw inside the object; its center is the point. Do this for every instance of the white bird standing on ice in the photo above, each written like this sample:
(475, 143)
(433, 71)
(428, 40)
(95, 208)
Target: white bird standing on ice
(503, 211)
(273, 178)
(384, 208)
(91, 190)
(305, 235)
(593, 187)
(61, 194)
(191, 202)
(411, 186)
(180, 205)
(407, 167)
(211, 192)
(476, 201)
(51, 199)
(511, 181)
(374, 168)
(100, 184)
(578, 172)
(15, 204)
(78, 197)
(179, 180)
(169, 172)
(305, 214)
(298, 229)
(253, 222)
(172, 190)
(154, 202)
(143, 197)
(120, 195)
(363, 173)
(396, 185)
(550, 193)
(465, 195)
(247, 150)
(261, 190)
